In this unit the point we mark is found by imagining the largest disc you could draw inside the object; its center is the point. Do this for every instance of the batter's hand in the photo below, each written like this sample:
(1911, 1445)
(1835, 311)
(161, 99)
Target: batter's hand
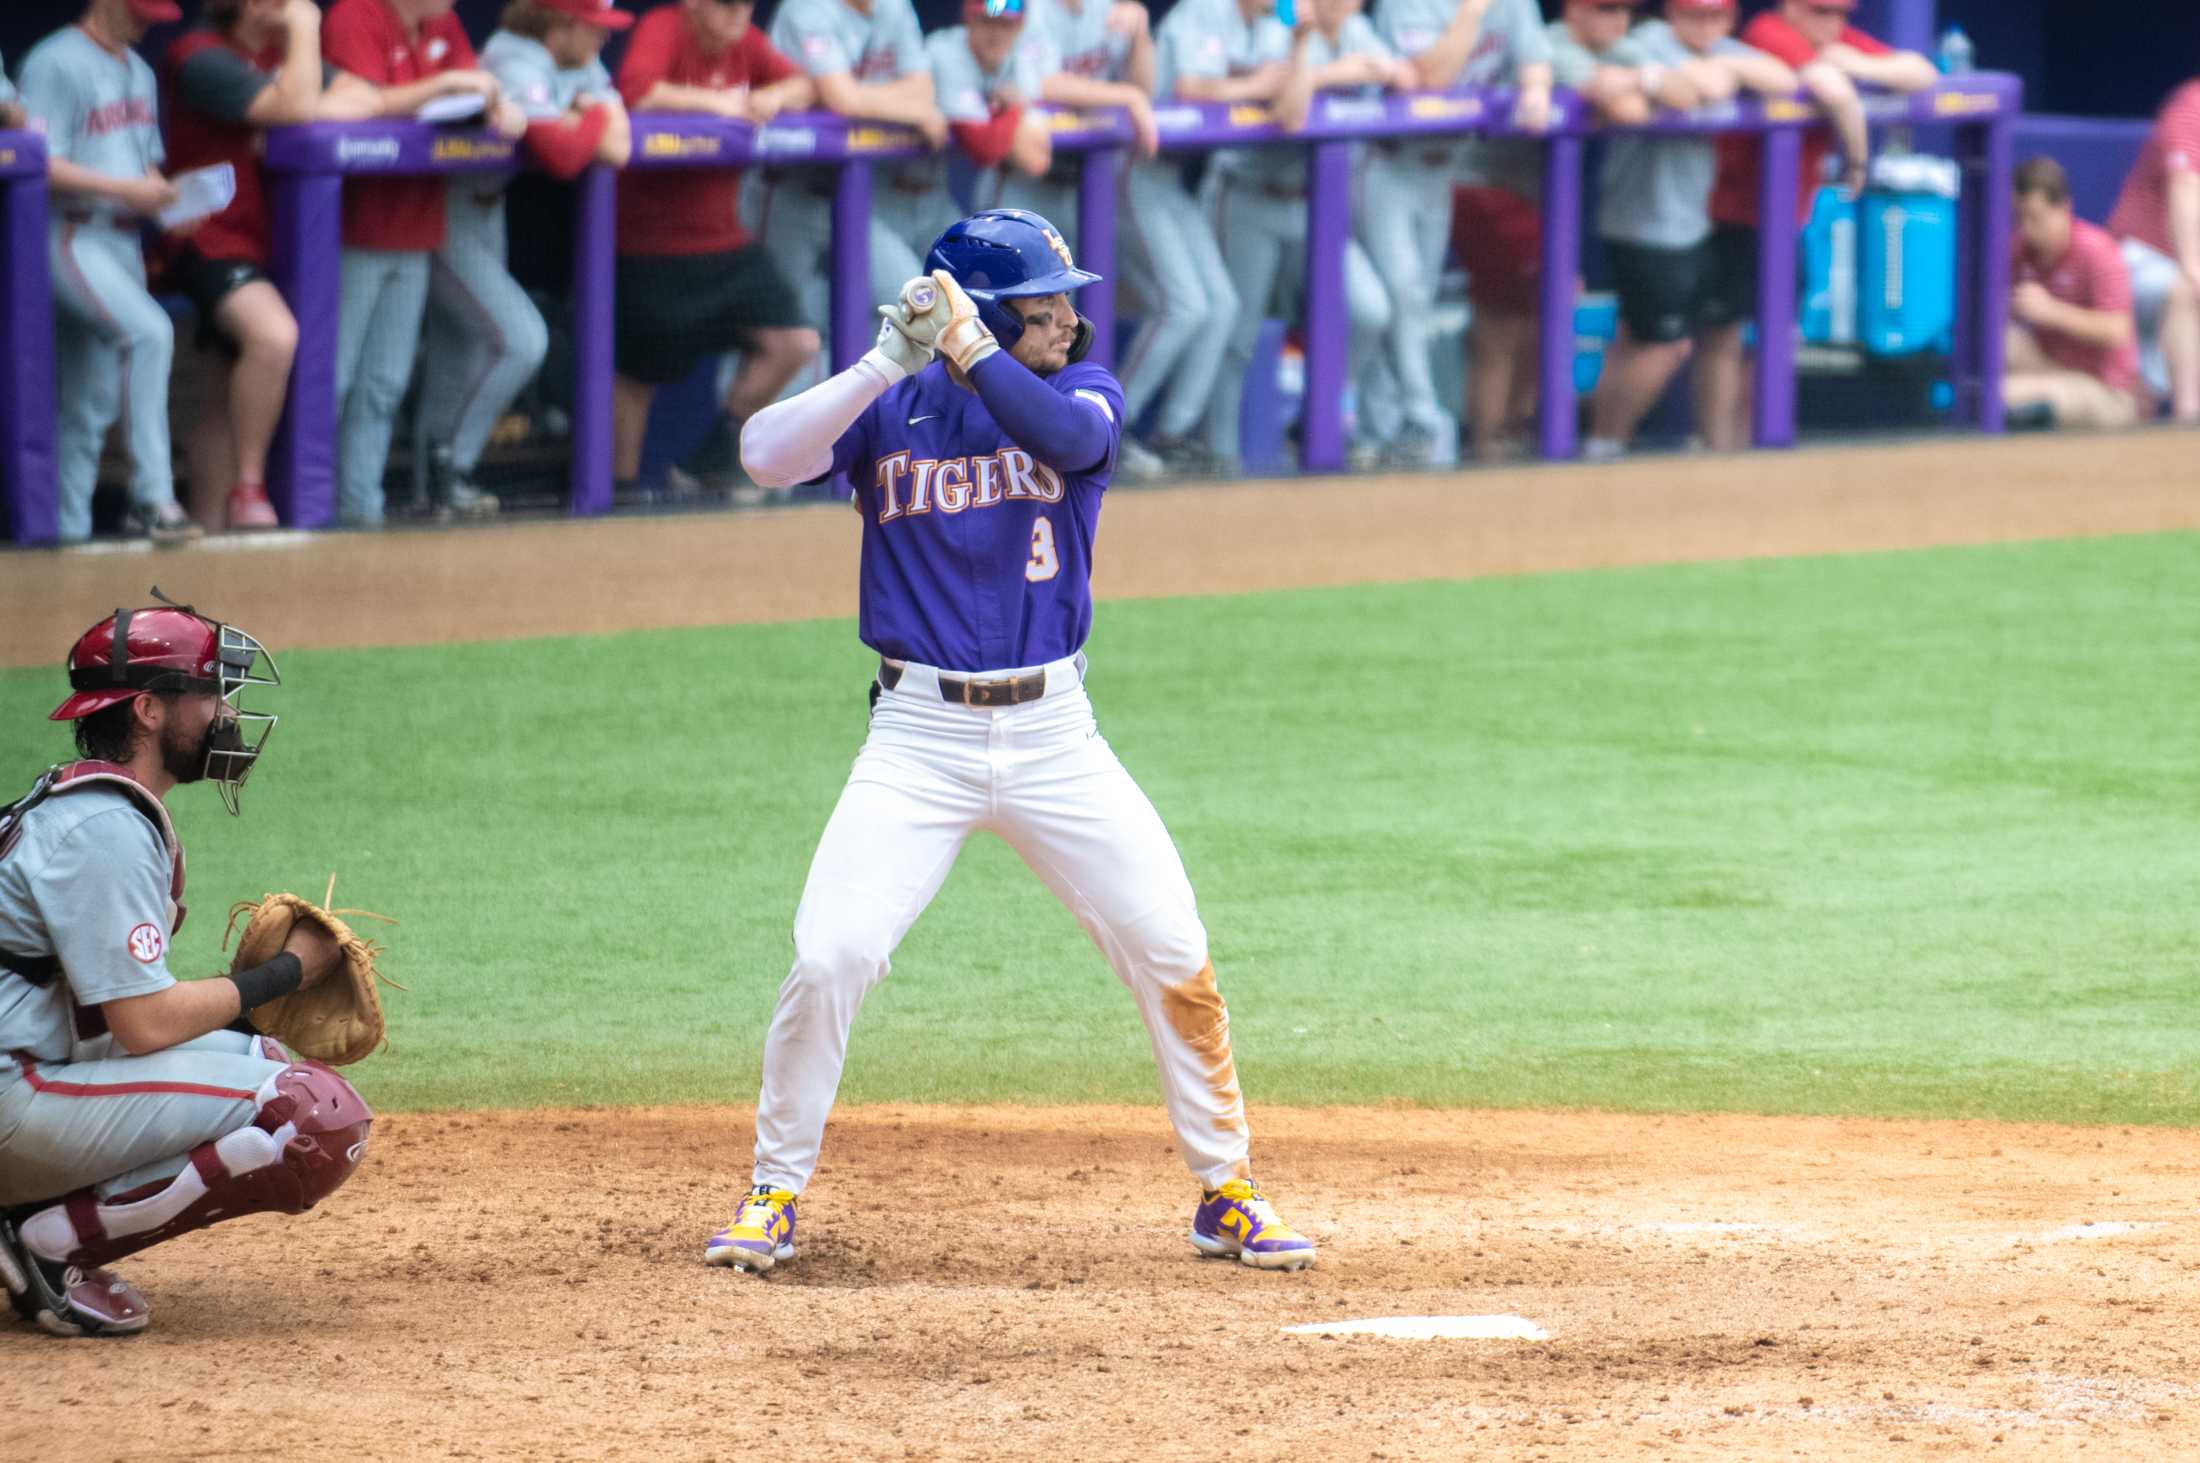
(924, 309)
(964, 339)
(900, 348)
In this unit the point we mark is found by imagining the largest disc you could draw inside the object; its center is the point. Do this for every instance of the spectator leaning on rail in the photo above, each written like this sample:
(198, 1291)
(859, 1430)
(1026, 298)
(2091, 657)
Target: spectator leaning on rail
(1206, 51)
(987, 80)
(412, 51)
(93, 96)
(1829, 56)
(12, 116)
(1086, 53)
(2157, 219)
(692, 284)
(1257, 199)
(2072, 359)
(1653, 207)
(484, 340)
(248, 66)
(1402, 217)
(868, 61)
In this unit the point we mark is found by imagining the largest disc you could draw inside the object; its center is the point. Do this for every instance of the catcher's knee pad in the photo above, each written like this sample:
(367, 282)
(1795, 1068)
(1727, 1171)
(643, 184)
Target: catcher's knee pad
(305, 1139)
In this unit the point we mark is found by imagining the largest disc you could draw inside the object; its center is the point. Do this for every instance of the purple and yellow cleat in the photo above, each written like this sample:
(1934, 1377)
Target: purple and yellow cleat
(1237, 1219)
(761, 1235)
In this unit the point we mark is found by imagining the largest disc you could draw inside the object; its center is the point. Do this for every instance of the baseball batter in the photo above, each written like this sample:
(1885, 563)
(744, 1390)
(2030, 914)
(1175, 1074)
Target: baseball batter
(979, 478)
(94, 98)
(131, 1111)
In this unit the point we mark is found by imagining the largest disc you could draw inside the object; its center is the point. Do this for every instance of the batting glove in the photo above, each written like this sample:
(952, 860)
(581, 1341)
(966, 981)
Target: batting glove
(964, 338)
(902, 350)
(925, 308)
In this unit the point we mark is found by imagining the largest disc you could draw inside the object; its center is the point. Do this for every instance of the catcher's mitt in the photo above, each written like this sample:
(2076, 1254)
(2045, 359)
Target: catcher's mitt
(338, 1021)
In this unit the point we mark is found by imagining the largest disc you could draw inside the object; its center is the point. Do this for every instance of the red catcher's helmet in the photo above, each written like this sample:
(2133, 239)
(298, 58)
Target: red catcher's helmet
(169, 647)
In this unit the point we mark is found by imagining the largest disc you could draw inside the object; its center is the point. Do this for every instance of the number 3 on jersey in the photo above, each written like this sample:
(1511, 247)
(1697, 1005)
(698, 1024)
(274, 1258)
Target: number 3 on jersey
(1045, 563)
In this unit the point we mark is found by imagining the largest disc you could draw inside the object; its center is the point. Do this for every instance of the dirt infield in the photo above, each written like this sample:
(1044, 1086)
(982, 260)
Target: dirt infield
(565, 577)
(1015, 1283)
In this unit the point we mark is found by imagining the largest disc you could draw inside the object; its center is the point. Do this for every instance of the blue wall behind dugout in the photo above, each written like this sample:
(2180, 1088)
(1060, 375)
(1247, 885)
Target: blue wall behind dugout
(2117, 59)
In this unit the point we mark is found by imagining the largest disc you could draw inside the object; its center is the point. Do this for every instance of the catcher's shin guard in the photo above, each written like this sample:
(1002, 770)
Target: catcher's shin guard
(303, 1142)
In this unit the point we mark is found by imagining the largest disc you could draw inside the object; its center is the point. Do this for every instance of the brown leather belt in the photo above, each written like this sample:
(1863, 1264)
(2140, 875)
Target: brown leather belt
(996, 691)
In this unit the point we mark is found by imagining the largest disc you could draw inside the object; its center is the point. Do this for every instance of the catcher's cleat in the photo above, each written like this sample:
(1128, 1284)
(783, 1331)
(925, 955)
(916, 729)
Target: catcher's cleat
(67, 1300)
(761, 1235)
(1237, 1219)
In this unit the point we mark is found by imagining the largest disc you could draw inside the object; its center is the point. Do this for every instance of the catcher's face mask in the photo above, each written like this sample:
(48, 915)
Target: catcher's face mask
(234, 741)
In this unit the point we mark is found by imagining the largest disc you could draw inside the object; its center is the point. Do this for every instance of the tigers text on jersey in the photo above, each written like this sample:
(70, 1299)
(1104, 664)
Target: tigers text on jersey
(975, 556)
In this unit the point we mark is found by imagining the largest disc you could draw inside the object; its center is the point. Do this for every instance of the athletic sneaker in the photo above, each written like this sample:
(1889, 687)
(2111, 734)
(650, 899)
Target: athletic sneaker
(1237, 1219)
(167, 526)
(249, 509)
(761, 1235)
(67, 1300)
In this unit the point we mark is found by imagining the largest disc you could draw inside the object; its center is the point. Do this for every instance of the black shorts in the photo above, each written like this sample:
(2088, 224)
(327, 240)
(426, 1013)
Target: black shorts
(1661, 290)
(1730, 275)
(208, 282)
(676, 310)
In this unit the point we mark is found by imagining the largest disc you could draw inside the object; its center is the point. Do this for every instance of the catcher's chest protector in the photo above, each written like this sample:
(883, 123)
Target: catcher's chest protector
(76, 776)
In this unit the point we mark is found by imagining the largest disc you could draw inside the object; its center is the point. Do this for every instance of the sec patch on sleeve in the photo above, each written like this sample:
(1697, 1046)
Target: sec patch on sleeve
(147, 944)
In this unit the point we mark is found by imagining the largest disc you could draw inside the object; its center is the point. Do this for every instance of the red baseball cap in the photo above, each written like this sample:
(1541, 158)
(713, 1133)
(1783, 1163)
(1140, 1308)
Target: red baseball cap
(156, 10)
(601, 14)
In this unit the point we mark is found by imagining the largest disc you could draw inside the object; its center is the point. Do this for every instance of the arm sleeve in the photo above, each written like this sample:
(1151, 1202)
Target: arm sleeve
(648, 61)
(220, 83)
(809, 435)
(104, 898)
(1069, 433)
(987, 143)
(50, 97)
(566, 146)
(811, 43)
(767, 63)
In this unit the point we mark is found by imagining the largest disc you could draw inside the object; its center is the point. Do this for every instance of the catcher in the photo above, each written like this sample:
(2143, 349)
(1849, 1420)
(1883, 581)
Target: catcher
(134, 1108)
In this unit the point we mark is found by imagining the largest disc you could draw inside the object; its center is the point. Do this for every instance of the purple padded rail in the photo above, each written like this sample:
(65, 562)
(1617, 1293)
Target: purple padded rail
(307, 166)
(28, 484)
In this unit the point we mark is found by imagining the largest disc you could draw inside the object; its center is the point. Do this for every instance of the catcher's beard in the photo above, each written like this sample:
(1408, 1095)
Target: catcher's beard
(186, 760)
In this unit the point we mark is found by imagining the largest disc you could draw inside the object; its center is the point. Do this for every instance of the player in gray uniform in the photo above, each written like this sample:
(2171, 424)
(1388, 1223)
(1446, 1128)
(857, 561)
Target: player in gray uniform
(869, 61)
(133, 1108)
(1206, 51)
(1087, 53)
(483, 339)
(1453, 44)
(95, 99)
(1256, 197)
(987, 82)
(1653, 209)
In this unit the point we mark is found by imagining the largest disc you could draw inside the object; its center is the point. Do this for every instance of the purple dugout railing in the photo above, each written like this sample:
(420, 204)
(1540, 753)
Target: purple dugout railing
(309, 164)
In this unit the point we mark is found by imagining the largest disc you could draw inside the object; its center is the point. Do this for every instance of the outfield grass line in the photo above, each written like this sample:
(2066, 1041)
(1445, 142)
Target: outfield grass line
(478, 583)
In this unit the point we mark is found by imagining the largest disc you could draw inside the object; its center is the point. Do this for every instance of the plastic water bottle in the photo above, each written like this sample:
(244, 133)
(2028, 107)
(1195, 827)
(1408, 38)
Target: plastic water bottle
(1955, 52)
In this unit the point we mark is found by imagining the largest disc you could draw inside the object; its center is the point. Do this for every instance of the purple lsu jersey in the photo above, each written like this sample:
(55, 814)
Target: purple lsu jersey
(976, 557)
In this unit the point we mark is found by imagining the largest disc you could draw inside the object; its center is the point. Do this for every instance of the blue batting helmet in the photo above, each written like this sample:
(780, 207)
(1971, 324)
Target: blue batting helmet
(1005, 253)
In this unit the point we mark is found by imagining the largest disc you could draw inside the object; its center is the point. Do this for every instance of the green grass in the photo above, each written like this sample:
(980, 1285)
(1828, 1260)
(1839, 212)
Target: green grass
(1901, 834)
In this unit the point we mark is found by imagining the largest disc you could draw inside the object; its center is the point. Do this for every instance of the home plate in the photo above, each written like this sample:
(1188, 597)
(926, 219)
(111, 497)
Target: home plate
(1430, 1328)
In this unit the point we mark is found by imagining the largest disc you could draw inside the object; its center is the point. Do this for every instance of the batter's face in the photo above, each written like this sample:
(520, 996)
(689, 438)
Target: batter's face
(1820, 23)
(1601, 23)
(1700, 30)
(1050, 324)
(2044, 227)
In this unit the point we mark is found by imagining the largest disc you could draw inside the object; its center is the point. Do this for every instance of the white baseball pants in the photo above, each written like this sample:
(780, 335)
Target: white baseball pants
(1040, 775)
